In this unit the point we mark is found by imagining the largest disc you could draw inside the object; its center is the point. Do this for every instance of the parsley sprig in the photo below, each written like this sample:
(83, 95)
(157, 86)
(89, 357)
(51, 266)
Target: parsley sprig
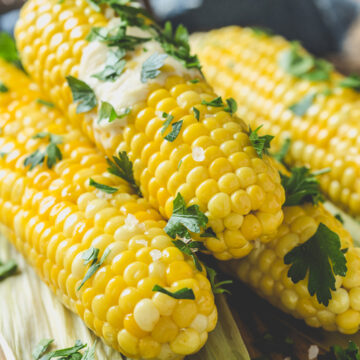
(301, 107)
(105, 188)
(108, 114)
(8, 51)
(261, 144)
(7, 269)
(217, 287)
(190, 248)
(302, 186)
(91, 256)
(114, 66)
(230, 106)
(283, 151)
(52, 152)
(3, 88)
(297, 62)
(351, 82)
(151, 67)
(184, 293)
(322, 258)
(82, 93)
(336, 352)
(175, 131)
(122, 167)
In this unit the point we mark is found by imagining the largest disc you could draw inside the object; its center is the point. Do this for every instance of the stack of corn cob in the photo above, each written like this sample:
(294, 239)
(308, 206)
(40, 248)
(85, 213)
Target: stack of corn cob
(107, 253)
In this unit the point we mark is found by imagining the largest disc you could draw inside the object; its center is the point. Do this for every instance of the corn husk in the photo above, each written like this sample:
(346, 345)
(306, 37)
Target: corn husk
(29, 312)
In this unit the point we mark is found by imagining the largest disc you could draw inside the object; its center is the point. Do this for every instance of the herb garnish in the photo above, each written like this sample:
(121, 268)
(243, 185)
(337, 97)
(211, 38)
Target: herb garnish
(217, 102)
(184, 293)
(51, 152)
(196, 113)
(300, 108)
(283, 151)
(323, 258)
(302, 186)
(83, 94)
(8, 50)
(194, 81)
(230, 106)
(91, 255)
(190, 248)
(41, 348)
(261, 31)
(217, 287)
(168, 119)
(3, 88)
(298, 63)
(122, 167)
(67, 353)
(7, 269)
(261, 144)
(151, 67)
(338, 353)
(105, 188)
(176, 128)
(339, 218)
(351, 82)
(44, 102)
(114, 66)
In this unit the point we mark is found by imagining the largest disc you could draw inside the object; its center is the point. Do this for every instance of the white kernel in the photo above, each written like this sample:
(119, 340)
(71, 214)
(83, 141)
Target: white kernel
(155, 254)
(313, 352)
(198, 154)
(146, 315)
(131, 221)
(200, 323)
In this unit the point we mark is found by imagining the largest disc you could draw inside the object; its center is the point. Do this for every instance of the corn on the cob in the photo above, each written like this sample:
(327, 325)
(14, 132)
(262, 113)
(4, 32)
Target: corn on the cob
(238, 191)
(241, 63)
(265, 271)
(53, 215)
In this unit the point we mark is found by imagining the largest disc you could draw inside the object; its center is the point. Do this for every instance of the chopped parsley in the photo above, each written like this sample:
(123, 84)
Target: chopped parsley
(194, 81)
(7, 269)
(320, 256)
(336, 352)
(302, 186)
(114, 66)
(339, 218)
(91, 255)
(281, 154)
(52, 152)
(122, 167)
(41, 348)
(261, 31)
(8, 51)
(177, 45)
(217, 102)
(196, 113)
(46, 103)
(107, 113)
(173, 134)
(105, 188)
(217, 287)
(231, 106)
(184, 293)
(351, 82)
(71, 353)
(261, 144)
(190, 248)
(295, 61)
(3, 88)
(185, 219)
(151, 67)
(208, 232)
(83, 94)
(300, 108)
(168, 119)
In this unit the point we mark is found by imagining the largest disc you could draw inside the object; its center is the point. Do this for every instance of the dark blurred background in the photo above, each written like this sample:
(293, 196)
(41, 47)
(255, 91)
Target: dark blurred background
(325, 27)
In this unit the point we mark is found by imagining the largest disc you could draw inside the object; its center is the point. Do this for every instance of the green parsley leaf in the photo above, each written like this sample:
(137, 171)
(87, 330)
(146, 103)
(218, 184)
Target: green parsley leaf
(3, 88)
(209, 232)
(67, 353)
(300, 108)
(105, 188)
(339, 218)
(298, 63)
(176, 128)
(196, 113)
(83, 94)
(351, 82)
(336, 352)
(131, 15)
(34, 159)
(107, 112)
(114, 66)
(231, 106)
(281, 154)
(7, 269)
(217, 286)
(169, 119)
(41, 348)
(151, 67)
(177, 45)
(190, 248)
(302, 186)
(89, 353)
(53, 138)
(261, 144)
(322, 257)
(53, 155)
(46, 103)
(95, 265)
(261, 31)
(185, 219)
(8, 51)
(217, 102)
(194, 81)
(184, 293)
(122, 167)
(326, 92)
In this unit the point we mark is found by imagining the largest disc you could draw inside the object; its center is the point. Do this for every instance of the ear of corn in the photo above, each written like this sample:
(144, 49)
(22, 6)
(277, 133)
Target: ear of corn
(238, 191)
(240, 63)
(53, 216)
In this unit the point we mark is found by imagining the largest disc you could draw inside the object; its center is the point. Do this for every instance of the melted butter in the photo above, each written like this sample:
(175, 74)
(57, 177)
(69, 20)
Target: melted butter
(127, 90)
